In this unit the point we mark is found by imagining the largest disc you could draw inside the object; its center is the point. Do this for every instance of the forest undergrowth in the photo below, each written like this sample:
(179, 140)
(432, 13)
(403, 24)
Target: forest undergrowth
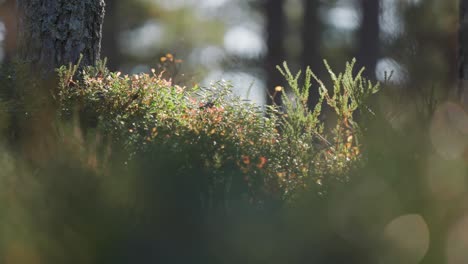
(107, 161)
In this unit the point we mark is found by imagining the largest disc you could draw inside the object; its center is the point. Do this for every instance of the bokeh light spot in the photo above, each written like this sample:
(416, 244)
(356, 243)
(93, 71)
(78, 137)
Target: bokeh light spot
(363, 211)
(407, 240)
(446, 178)
(244, 42)
(457, 243)
(448, 131)
(17, 253)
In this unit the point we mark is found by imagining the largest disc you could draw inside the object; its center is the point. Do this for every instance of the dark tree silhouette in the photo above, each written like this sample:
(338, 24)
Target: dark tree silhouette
(275, 26)
(463, 51)
(110, 36)
(55, 32)
(311, 40)
(368, 39)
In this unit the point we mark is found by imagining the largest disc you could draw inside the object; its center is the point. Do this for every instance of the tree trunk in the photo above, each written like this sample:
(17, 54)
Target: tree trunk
(369, 41)
(275, 25)
(311, 43)
(52, 33)
(463, 52)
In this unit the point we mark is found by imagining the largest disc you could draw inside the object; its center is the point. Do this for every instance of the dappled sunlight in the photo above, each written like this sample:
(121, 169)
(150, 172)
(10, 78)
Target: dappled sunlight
(210, 56)
(449, 131)
(143, 41)
(17, 252)
(446, 179)
(245, 42)
(397, 113)
(342, 17)
(388, 66)
(361, 211)
(457, 242)
(406, 239)
(390, 20)
(245, 85)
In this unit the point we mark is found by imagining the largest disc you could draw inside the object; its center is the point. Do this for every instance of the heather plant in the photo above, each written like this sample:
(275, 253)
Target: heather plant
(230, 143)
(314, 156)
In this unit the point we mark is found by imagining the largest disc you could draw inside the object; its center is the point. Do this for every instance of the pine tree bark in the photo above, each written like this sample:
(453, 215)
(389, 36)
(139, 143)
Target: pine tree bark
(311, 40)
(368, 46)
(52, 33)
(463, 52)
(275, 26)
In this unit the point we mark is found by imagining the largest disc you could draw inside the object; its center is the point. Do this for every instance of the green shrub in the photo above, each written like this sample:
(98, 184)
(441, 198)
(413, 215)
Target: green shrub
(272, 153)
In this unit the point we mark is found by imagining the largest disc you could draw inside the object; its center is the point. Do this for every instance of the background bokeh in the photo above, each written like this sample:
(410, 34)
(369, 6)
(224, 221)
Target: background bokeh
(408, 204)
(239, 40)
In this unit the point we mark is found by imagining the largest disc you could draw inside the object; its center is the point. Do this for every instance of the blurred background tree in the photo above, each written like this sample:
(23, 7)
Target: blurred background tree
(311, 41)
(275, 33)
(241, 40)
(369, 35)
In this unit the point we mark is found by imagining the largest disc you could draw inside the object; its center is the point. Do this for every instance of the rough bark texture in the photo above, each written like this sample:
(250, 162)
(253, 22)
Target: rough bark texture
(311, 43)
(55, 32)
(275, 19)
(369, 41)
(463, 52)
